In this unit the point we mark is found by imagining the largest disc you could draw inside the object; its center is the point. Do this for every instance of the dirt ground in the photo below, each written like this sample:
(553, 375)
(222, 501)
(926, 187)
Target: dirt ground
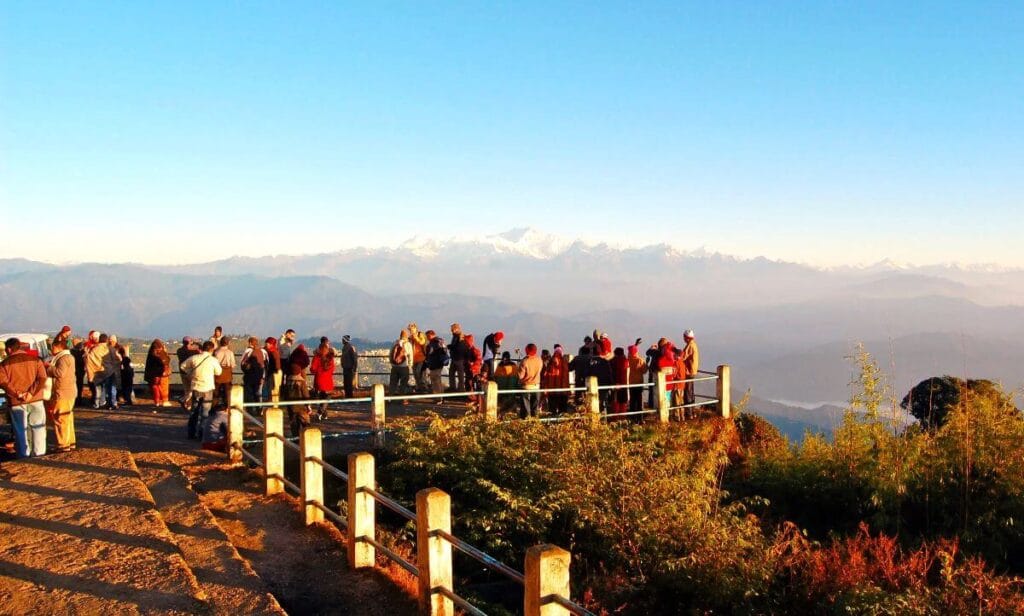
(305, 568)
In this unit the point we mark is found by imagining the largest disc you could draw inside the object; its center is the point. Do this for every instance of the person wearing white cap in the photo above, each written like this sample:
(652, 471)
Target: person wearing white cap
(691, 362)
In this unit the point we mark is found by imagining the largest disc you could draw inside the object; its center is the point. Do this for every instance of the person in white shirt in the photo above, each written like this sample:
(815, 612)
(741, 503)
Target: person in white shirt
(203, 369)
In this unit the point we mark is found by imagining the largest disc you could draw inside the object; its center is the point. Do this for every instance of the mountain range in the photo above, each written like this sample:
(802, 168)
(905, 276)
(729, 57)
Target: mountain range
(785, 327)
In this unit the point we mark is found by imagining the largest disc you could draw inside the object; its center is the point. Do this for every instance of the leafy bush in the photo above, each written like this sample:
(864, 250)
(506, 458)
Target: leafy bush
(933, 399)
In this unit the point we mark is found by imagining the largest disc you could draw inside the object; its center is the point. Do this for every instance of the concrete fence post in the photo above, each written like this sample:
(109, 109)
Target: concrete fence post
(434, 553)
(273, 450)
(547, 576)
(236, 424)
(593, 398)
(311, 446)
(377, 414)
(275, 387)
(661, 390)
(723, 389)
(491, 402)
(361, 511)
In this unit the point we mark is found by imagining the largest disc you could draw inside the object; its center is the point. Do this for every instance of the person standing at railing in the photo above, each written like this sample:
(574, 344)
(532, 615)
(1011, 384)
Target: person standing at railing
(127, 375)
(187, 349)
(218, 333)
(271, 381)
(226, 358)
(474, 365)
(399, 359)
(653, 354)
(601, 368)
(457, 355)
(95, 365)
(556, 376)
(691, 364)
(297, 388)
(637, 369)
(157, 372)
(322, 368)
(437, 359)
(418, 340)
(491, 350)
(202, 370)
(349, 365)
(580, 368)
(254, 370)
(285, 346)
(529, 379)
(78, 352)
(23, 378)
(620, 376)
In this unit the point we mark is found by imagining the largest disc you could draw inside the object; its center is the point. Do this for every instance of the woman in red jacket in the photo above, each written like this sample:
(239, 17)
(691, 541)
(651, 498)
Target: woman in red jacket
(556, 376)
(322, 368)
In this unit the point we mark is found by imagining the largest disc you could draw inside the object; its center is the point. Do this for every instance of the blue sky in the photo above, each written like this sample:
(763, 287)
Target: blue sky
(821, 132)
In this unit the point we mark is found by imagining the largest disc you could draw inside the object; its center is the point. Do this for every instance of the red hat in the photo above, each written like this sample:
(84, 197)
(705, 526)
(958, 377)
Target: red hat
(499, 336)
(66, 328)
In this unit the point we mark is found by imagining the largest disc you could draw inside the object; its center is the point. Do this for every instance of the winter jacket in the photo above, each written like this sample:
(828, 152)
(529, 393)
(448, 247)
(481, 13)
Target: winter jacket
(691, 359)
(349, 357)
(157, 365)
(637, 367)
(529, 372)
(62, 370)
(506, 375)
(322, 368)
(556, 374)
(620, 370)
(437, 354)
(22, 377)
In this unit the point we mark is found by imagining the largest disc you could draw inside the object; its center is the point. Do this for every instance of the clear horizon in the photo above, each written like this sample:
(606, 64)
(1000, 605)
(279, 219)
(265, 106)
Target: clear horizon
(823, 135)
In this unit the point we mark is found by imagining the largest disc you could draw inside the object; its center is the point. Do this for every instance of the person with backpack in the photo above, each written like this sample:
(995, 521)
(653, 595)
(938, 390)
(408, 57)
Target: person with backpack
(349, 365)
(254, 369)
(226, 357)
(399, 355)
(436, 359)
(297, 388)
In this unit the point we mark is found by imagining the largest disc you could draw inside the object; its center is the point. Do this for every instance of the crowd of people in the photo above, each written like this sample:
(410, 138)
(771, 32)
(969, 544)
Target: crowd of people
(541, 379)
(419, 358)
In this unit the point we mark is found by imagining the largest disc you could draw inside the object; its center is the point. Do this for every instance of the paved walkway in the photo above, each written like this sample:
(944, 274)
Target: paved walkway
(79, 533)
(140, 521)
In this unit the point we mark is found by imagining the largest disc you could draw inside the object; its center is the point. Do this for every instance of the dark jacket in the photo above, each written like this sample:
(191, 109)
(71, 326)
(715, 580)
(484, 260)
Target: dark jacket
(437, 355)
(157, 365)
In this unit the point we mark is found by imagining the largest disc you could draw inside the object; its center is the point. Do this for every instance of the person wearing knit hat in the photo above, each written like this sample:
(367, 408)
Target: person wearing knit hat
(349, 365)
(492, 350)
(556, 376)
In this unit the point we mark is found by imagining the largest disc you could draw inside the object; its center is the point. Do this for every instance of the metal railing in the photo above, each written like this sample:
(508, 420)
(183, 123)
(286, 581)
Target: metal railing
(431, 518)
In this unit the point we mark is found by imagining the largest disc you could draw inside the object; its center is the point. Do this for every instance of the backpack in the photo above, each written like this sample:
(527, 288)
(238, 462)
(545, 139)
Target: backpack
(397, 354)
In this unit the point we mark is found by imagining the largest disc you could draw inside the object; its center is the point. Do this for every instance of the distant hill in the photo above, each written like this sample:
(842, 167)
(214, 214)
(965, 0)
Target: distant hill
(784, 327)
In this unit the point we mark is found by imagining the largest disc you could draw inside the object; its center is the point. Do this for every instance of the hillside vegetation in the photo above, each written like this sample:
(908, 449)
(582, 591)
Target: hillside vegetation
(727, 516)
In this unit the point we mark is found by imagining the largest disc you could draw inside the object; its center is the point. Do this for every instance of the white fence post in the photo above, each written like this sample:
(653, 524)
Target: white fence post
(723, 389)
(311, 446)
(661, 390)
(434, 553)
(491, 402)
(273, 450)
(547, 575)
(236, 424)
(377, 414)
(361, 511)
(593, 398)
